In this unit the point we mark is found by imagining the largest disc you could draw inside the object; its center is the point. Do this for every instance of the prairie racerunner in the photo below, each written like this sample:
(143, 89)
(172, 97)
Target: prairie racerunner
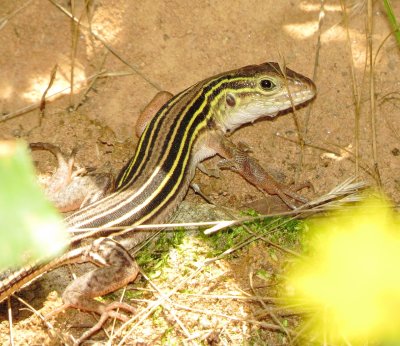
(187, 129)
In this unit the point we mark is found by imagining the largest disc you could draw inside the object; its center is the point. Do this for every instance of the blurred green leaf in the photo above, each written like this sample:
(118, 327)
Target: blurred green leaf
(30, 227)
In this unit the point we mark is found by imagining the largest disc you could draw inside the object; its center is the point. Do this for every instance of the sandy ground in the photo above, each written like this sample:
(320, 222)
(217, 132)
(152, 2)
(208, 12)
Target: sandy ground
(174, 44)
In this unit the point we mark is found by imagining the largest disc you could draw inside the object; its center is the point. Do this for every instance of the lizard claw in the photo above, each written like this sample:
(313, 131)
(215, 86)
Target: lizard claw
(109, 312)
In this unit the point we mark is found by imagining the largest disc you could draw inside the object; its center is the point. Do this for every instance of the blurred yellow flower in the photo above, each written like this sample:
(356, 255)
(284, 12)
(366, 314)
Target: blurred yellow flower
(351, 278)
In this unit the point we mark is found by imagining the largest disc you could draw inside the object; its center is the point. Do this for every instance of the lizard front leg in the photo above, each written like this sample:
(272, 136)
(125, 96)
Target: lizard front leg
(116, 269)
(238, 160)
(235, 158)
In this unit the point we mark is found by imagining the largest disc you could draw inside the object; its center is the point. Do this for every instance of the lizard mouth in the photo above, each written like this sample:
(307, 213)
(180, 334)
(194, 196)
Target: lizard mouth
(297, 97)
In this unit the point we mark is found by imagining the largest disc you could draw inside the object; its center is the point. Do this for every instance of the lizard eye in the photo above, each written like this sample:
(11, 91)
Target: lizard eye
(267, 84)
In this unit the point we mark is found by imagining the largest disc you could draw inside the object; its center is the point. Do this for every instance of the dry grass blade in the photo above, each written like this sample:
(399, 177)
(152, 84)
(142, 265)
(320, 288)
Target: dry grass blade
(49, 326)
(247, 297)
(372, 92)
(4, 20)
(355, 90)
(282, 66)
(141, 316)
(321, 18)
(10, 321)
(269, 326)
(346, 192)
(74, 50)
(169, 308)
(43, 98)
(92, 82)
(314, 78)
(356, 7)
(19, 112)
(111, 49)
(267, 308)
(115, 319)
(351, 156)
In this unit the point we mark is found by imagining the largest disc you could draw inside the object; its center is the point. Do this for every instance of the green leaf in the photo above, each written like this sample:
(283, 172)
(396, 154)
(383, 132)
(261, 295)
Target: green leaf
(30, 227)
(392, 20)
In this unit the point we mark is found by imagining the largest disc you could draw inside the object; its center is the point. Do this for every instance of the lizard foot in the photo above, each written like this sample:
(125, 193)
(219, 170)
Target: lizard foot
(71, 188)
(109, 312)
(105, 312)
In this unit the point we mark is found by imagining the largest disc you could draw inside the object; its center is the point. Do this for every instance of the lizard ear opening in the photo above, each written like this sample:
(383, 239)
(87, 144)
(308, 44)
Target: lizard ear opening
(230, 100)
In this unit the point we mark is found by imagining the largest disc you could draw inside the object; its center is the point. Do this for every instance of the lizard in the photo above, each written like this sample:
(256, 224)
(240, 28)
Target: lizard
(188, 128)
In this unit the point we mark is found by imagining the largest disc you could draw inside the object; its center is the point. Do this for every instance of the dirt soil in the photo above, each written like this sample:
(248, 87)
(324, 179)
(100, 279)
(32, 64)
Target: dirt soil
(141, 47)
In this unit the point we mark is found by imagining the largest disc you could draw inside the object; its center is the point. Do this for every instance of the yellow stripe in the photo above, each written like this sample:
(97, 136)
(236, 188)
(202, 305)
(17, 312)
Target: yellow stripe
(152, 129)
(177, 160)
(125, 196)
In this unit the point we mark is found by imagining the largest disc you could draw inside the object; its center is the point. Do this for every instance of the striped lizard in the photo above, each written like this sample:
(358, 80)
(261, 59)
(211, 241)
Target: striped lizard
(188, 128)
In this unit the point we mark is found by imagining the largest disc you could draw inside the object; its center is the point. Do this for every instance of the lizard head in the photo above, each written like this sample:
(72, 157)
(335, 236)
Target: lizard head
(257, 91)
